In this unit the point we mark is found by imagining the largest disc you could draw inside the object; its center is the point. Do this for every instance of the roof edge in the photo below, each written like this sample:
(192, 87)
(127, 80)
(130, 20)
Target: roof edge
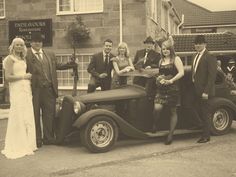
(191, 34)
(211, 51)
(208, 26)
(198, 6)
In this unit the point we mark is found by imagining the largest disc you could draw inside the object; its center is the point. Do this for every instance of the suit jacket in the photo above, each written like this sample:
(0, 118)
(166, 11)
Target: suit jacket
(205, 76)
(97, 65)
(153, 59)
(34, 67)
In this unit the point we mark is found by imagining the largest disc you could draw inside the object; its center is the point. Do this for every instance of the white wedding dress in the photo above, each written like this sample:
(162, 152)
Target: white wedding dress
(20, 136)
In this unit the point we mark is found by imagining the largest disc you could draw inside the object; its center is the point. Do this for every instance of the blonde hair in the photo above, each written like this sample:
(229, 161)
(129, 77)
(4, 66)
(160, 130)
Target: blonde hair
(123, 45)
(12, 50)
(169, 44)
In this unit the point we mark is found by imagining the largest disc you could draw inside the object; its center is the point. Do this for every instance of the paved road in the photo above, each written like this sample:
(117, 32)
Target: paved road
(131, 158)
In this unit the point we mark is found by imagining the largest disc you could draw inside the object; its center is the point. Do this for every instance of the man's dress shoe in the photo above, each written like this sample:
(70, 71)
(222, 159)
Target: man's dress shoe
(203, 140)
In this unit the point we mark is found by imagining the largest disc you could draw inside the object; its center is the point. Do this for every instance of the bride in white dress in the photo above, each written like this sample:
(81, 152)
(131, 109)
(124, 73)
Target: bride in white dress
(20, 137)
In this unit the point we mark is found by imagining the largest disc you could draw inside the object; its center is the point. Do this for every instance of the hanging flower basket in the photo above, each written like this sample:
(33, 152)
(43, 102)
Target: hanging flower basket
(77, 32)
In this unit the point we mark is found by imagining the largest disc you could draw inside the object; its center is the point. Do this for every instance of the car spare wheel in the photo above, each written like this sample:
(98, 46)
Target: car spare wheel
(99, 134)
(220, 120)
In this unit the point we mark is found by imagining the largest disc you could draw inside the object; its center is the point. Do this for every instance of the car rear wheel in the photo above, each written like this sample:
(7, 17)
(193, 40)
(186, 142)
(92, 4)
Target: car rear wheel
(99, 134)
(220, 120)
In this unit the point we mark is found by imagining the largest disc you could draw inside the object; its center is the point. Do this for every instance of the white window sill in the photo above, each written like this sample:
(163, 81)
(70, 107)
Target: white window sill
(74, 13)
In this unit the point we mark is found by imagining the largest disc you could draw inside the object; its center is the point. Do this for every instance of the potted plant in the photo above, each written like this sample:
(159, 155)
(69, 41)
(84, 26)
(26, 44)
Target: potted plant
(77, 32)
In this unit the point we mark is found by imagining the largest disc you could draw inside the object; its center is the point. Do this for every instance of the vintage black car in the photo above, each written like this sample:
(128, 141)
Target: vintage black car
(101, 116)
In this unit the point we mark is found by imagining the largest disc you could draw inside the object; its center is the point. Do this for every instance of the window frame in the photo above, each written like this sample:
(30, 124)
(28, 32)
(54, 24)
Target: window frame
(164, 17)
(153, 11)
(71, 12)
(4, 10)
(2, 70)
(62, 74)
(3, 83)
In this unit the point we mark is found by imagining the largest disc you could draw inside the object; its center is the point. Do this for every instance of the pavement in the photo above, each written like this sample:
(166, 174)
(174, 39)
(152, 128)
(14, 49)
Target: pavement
(4, 113)
(129, 158)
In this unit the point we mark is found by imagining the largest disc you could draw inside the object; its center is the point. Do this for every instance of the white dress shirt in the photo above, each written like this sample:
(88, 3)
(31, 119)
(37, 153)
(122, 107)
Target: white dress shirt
(197, 59)
(36, 53)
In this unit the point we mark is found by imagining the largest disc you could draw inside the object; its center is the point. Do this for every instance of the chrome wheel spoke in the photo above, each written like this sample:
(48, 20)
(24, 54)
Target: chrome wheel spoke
(101, 133)
(221, 119)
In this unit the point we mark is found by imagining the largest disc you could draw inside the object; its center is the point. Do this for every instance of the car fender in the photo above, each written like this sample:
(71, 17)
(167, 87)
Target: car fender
(124, 126)
(219, 101)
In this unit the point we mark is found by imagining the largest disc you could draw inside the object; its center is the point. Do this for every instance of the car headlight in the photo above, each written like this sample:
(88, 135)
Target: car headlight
(79, 107)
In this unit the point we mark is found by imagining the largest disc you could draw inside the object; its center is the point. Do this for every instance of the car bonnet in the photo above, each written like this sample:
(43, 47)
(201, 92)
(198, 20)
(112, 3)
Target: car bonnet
(123, 93)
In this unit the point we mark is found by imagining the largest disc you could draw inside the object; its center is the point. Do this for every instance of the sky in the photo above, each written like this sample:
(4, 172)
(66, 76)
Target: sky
(216, 5)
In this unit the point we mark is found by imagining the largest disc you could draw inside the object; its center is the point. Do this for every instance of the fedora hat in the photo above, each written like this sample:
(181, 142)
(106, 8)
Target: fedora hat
(199, 39)
(149, 40)
(232, 61)
(37, 37)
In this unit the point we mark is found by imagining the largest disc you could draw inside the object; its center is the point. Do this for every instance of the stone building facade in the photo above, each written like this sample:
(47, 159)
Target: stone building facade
(128, 20)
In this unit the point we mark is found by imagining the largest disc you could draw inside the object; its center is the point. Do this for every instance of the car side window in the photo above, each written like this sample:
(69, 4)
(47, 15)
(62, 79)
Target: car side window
(219, 79)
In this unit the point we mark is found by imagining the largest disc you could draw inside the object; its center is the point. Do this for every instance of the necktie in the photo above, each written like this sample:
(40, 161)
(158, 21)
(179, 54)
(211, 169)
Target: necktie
(195, 64)
(106, 60)
(145, 58)
(39, 56)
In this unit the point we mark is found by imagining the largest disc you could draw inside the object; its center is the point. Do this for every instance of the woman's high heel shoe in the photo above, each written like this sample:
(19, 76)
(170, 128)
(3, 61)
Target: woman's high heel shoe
(169, 140)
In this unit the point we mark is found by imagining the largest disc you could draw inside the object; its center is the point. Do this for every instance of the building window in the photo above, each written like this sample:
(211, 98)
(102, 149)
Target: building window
(154, 10)
(65, 78)
(79, 6)
(2, 9)
(164, 18)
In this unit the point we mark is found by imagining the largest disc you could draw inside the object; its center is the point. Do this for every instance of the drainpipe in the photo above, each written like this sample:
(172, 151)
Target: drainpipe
(181, 23)
(121, 19)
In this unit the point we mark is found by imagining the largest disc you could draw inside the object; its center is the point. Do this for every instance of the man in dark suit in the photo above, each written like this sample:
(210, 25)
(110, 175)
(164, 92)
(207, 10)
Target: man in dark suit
(42, 64)
(231, 70)
(204, 69)
(145, 59)
(100, 68)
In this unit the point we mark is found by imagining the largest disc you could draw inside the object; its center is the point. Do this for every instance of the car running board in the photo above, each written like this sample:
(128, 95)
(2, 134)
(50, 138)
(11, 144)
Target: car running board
(176, 132)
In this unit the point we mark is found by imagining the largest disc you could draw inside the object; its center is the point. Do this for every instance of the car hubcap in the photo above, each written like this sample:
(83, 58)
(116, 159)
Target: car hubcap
(101, 134)
(221, 119)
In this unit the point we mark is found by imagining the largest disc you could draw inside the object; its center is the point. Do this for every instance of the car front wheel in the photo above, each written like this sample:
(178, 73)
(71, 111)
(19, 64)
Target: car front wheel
(220, 120)
(99, 134)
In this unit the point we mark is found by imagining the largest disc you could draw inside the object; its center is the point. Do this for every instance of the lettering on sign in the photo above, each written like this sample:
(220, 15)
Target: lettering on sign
(24, 29)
